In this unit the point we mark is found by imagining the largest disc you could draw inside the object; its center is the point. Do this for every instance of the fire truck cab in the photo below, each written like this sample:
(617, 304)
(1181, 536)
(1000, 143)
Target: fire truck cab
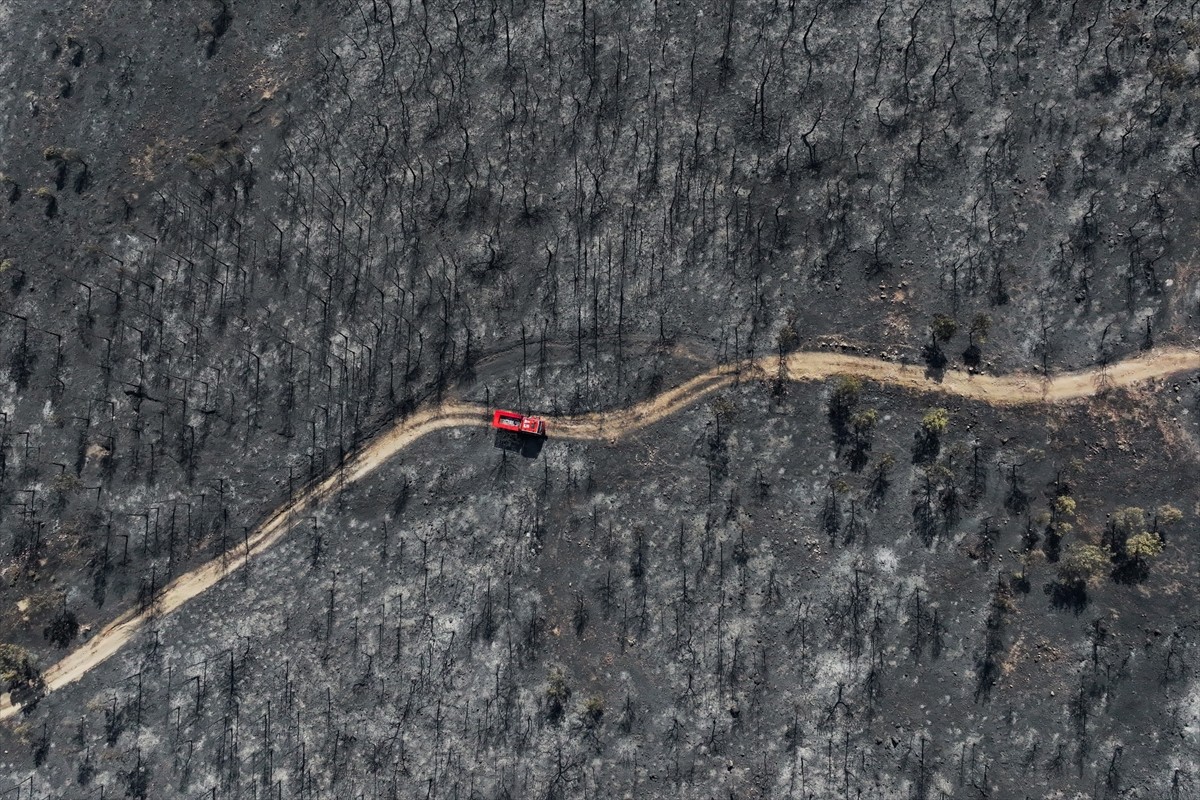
(518, 423)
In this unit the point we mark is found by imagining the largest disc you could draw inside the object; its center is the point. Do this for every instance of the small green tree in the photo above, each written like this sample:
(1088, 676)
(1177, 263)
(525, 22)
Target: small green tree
(1082, 562)
(1143, 546)
(847, 390)
(46, 194)
(880, 479)
(593, 710)
(1062, 510)
(935, 421)
(977, 333)
(864, 421)
(981, 326)
(1167, 514)
(845, 395)
(557, 693)
(1136, 542)
(928, 437)
(1129, 521)
(11, 187)
(1026, 560)
(943, 328)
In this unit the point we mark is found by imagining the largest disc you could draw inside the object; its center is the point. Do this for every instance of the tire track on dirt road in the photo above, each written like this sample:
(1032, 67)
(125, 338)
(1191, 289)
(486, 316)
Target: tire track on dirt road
(997, 390)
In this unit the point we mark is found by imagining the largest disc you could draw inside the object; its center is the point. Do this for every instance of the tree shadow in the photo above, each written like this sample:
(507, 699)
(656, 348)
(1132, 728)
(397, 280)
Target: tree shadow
(988, 665)
(987, 671)
(27, 697)
(926, 446)
(63, 629)
(839, 421)
(859, 455)
(1016, 501)
(925, 523)
(831, 516)
(1131, 571)
(1071, 596)
(878, 490)
(935, 361)
(973, 355)
(1053, 548)
(525, 446)
(950, 503)
(1029, 537)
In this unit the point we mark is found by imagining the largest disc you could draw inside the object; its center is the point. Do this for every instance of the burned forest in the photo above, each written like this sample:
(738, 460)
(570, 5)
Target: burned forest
(841, 357)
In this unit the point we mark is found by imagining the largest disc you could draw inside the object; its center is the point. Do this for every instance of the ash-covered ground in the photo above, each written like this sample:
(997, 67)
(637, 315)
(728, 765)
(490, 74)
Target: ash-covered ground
(237, 239)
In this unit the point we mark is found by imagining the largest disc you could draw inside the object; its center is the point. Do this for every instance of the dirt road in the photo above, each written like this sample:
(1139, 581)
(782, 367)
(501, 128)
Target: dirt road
(996, 390)
(1004, 390)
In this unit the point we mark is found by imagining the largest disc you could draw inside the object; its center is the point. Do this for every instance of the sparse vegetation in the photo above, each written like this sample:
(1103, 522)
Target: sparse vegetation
(843, 399)
(847, 390)
(787, 338)
(1082, 562)
(18, 668)
(863, 422)
(1064, 507)
(284, 230)
(981, 326)
(593, 709)
(558, 694)
(943, 328)
(1129, 521)
(1143, 546)
(935, 421)
(46, 194)
(1166, 516)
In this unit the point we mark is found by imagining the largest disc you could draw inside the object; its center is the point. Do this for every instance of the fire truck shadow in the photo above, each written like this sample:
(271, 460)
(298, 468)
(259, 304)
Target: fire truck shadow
(526, 446)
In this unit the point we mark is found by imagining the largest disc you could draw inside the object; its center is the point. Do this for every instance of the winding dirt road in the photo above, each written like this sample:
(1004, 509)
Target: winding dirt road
(1005, 390)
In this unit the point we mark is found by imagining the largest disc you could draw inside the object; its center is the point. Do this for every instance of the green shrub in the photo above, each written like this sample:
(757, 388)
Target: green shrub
(1082, 562)
(943, 328)
(1143, 546)
(935, 421)
(593, 709)
(1168, 515)
(1129, 521)
(863, 421)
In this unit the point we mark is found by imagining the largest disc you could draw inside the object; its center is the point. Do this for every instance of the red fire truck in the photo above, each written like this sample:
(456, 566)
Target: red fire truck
(518, 423)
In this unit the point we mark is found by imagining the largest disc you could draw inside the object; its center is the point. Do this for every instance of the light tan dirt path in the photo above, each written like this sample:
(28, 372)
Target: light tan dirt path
(999, 390)
(996, 390)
